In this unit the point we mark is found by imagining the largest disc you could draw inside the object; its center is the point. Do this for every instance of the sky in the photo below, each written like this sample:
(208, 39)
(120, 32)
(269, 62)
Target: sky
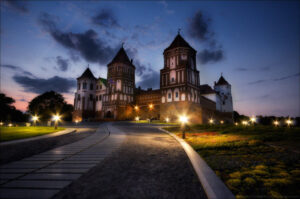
(46, 45)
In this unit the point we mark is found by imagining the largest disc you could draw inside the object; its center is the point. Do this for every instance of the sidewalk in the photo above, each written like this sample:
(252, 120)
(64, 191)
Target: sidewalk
(45, 174)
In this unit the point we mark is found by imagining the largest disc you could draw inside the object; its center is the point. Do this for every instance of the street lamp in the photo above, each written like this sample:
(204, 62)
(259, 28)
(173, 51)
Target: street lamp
(167, 119)
(211, 121)
(245, 122)
(56, 118)
(289, 122)
(1, 123)
(150, 106)
(276, 123)
(34, 119)
(253, 119)
(236, 124)
(183, 119)
(136, 108)
(137, 118)
(222, 122)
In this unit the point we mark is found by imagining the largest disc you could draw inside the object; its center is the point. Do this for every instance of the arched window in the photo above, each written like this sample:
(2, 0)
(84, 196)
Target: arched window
(84, 85)
(91, 86)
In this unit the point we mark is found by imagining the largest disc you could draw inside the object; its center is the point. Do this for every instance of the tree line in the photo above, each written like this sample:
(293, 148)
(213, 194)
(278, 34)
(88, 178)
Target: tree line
(44, 105)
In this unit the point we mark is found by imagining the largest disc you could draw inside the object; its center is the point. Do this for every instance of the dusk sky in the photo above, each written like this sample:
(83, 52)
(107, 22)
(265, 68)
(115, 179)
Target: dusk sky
(46, 45)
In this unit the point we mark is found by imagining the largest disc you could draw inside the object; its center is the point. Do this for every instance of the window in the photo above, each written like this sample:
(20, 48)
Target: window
(78, 97)
(84, 85)
(100, 97)
(176, 94)
(169, 95)
(101, 87)
(78, 86)
(91, 97)
(173, 79)
(96, 98)
(91, 86)
(97, 87)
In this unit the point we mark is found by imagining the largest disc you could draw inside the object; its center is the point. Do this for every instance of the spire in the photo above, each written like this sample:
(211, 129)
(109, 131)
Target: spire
(179, 42)
(87, 74)
(179, 29)
(121, 57)
(222, 81)
(123, 44)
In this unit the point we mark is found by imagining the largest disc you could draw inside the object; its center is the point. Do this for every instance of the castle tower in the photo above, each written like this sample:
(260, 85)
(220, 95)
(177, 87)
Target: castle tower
(224, 97)
(179, 79)
(84, 102)
(120, 87)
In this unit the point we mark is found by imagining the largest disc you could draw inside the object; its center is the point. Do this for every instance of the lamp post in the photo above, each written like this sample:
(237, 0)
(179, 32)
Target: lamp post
(276, 123)
(289, 122)
(222, 122)
(253, 119)
(137, 118)
(245, 122)
(183, 119)
(211, 121)
(56, 118)
(34, 119)
(150, 109)
(167, 120)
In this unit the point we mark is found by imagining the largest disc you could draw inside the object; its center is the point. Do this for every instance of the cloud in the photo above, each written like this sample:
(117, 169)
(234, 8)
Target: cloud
(87, 44)
(286, 77)
(166, 7)
(39, 85)
(63, 64)
(244, 69)
(206, 56)
(105, 18)
(17, 69)
(150, 80)
(275, 79)
(19, 6)
(198, 27)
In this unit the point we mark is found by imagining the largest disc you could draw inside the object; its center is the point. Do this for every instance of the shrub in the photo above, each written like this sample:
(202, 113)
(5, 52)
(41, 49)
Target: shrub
(249, 182)
(273, 182)
(236, 174)
(275, 194)
(234, 183)
(295, 172)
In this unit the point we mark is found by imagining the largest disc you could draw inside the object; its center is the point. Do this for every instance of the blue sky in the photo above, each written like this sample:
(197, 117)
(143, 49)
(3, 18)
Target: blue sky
(47, 44)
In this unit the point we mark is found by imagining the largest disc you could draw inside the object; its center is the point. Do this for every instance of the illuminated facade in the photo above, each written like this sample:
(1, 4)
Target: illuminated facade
(180, 91)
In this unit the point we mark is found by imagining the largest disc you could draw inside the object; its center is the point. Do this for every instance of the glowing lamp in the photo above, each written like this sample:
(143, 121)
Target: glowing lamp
(136, 108)
(34, 119)
(245, 123)
(183, 119)
(56, 118)
(236, 124)
(167, 119)
(1, 123)
(137, 118)
(222, 122)
(10, 124)
(276, 123)
(211, 121)
(289, 122)
(150, 106)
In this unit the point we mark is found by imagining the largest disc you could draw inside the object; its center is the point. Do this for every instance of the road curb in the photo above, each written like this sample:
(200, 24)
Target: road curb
(63, 132)
(212, 184)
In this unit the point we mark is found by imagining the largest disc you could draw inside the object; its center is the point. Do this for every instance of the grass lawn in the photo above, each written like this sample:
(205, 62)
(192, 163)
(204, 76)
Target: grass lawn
(254, 161)
(14, 133)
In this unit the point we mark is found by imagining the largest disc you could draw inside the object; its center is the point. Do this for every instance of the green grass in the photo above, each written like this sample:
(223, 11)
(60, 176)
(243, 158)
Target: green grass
(253, 161)
(14, 133)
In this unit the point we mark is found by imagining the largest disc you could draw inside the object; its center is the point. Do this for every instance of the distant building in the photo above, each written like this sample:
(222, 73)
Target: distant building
(117, 98)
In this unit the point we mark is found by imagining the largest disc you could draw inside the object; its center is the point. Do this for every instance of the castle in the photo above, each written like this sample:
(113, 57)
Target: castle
(117, 98)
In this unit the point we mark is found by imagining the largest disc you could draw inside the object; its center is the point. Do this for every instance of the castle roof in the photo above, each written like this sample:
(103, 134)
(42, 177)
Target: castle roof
(87, 74)
(222, 81)
(179, 42)
(206, 89)
(121, 57)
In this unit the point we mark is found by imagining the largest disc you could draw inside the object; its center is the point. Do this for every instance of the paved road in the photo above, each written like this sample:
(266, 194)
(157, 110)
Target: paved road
(149, 164)
(45, 174)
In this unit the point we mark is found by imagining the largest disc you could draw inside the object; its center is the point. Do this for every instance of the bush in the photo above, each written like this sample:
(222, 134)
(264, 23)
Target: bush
(249, 182)
(235, 183)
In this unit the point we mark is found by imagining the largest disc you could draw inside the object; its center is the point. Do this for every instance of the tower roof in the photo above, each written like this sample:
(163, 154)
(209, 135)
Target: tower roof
(87, 74)
(179, 42)
(121, 57)
(222, 81)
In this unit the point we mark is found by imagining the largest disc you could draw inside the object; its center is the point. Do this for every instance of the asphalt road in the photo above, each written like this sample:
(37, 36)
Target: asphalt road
(149, 164)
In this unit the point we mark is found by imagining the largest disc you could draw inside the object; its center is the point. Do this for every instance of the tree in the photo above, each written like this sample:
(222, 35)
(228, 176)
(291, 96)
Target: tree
(8, 112)
(48, 104)
(238, 118)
